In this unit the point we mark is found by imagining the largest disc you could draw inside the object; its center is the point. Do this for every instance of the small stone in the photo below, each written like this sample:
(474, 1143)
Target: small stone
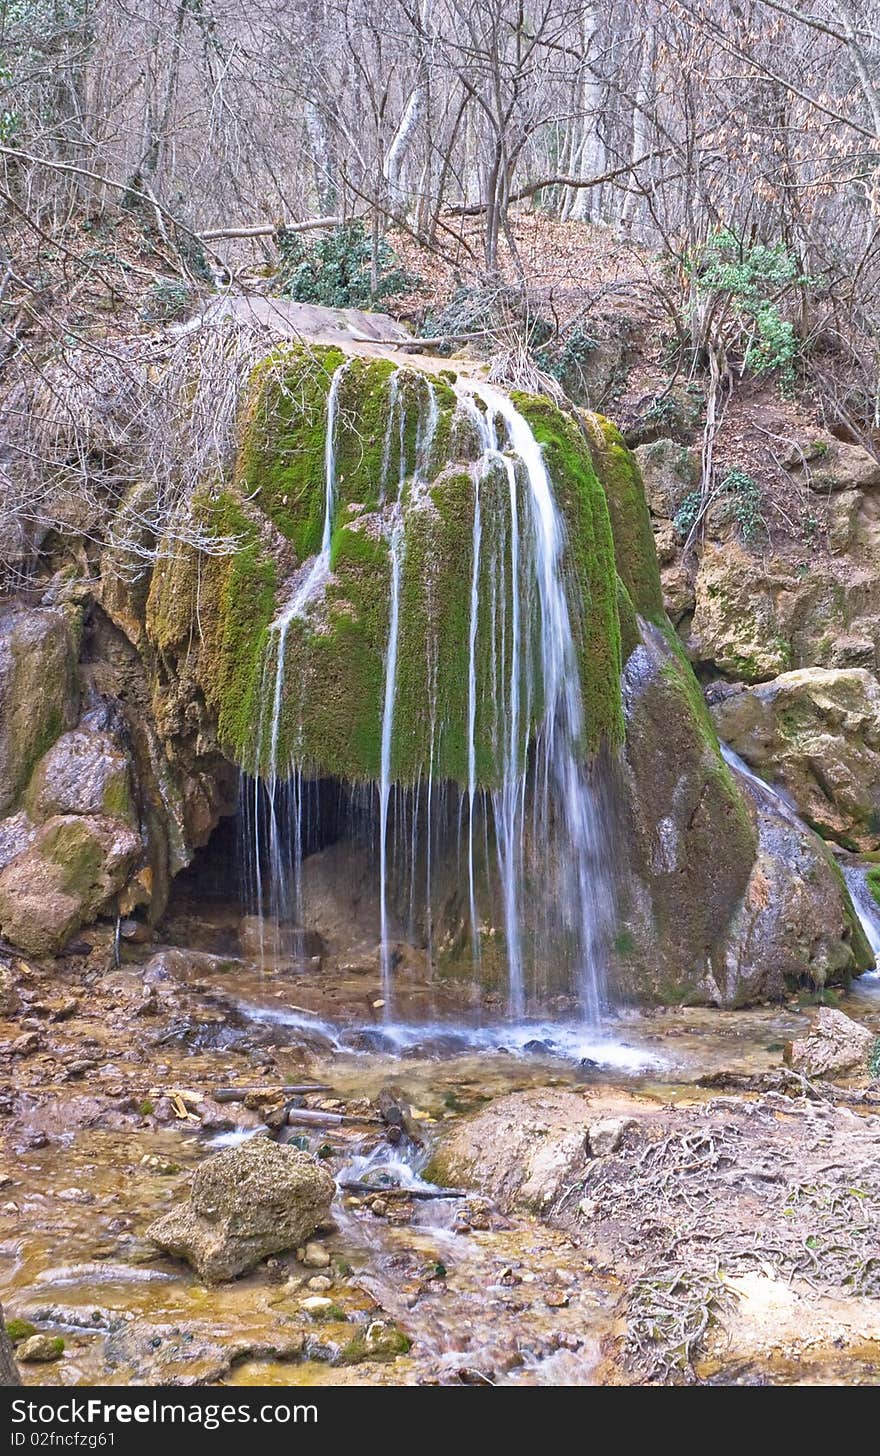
(556, 1299)
(606, 1136)
(319, 1284)
(39, 1349)
(316, 1305)
(315, 1256)
(378, 1208)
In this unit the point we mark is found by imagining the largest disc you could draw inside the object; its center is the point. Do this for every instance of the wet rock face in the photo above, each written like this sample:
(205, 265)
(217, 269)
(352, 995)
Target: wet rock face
(690, 843)
(836, 1046)
(795, 923)
(816, 734)
(38, 690)
(70, 870)
(246, 1203)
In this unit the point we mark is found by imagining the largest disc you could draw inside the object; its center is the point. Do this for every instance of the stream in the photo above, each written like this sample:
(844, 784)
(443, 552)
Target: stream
(483, 1298)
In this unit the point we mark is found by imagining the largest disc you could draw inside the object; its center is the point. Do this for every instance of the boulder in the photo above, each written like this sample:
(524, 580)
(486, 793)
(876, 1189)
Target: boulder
(827, 465)
(670, 473)
(736, 622)
(795, 925)
(63, 878)
(84, 772)
(522, 1150)
(40, 1349)
(246, 1203)
(38, 690)
(690, 840)
(835, 1046)
(816, 734)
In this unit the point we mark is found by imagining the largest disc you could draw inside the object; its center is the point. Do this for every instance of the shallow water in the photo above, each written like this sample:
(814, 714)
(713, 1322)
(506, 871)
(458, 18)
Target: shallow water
(511, 1303)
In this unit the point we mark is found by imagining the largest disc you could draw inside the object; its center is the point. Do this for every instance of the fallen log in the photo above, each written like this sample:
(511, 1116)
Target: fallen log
(269, 229)
(238, 1094)
(314, 1117)
(355, 1185)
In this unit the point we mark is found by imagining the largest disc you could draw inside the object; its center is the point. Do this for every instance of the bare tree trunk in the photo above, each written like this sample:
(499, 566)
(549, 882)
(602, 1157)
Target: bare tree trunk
(582, 203)
(640, 130)
(395, 158)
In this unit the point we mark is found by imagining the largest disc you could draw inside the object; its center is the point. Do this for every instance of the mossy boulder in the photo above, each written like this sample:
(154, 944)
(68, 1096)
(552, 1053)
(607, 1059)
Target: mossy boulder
(70, 870)
(38, 690)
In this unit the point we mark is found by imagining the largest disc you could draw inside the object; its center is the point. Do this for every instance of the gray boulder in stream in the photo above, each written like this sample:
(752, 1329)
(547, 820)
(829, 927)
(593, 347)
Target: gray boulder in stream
(246, 1203)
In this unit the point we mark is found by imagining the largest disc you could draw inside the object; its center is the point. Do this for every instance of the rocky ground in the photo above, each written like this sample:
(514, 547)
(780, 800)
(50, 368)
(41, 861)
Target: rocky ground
(709, 1217)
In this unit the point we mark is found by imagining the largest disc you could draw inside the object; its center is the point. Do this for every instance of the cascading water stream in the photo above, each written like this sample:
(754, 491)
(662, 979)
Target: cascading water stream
(568, 829)
(424, 440)
(552, 865)
(865, 906)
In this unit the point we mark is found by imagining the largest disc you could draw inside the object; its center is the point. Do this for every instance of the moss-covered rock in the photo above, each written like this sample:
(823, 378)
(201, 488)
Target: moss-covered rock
(404, 470)
(634, 549)
(691, 843)
(816, 734)
(38, 690)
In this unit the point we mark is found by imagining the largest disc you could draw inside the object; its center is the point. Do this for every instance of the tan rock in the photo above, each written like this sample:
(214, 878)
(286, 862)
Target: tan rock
(73, 866)
(521, 1150)
(816, 734)
(836, 1046)
(246, 1203)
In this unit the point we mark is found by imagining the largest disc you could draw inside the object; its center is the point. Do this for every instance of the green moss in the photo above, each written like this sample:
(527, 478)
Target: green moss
(19, 1329)
(382, 1344)
(331, 712)
(634, 549)
(589, 563)
(74, 848)
(873, 882)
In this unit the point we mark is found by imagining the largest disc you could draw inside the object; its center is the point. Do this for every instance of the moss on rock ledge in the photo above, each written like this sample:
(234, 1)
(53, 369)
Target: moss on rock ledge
(405, 453)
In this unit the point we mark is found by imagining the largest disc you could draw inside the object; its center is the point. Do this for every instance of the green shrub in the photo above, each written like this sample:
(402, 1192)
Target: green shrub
(746, 500)
(687, 513)
(752, 278)
(336, 269)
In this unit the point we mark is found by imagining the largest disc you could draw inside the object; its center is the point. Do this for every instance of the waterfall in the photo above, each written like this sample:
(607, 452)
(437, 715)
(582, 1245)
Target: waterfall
(527, 809)
(865, 906)
(424, 440)
(568, 833)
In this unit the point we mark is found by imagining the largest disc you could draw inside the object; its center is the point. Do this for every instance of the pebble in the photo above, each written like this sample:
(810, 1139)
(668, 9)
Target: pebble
(378, 1208)
(319, 1283)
